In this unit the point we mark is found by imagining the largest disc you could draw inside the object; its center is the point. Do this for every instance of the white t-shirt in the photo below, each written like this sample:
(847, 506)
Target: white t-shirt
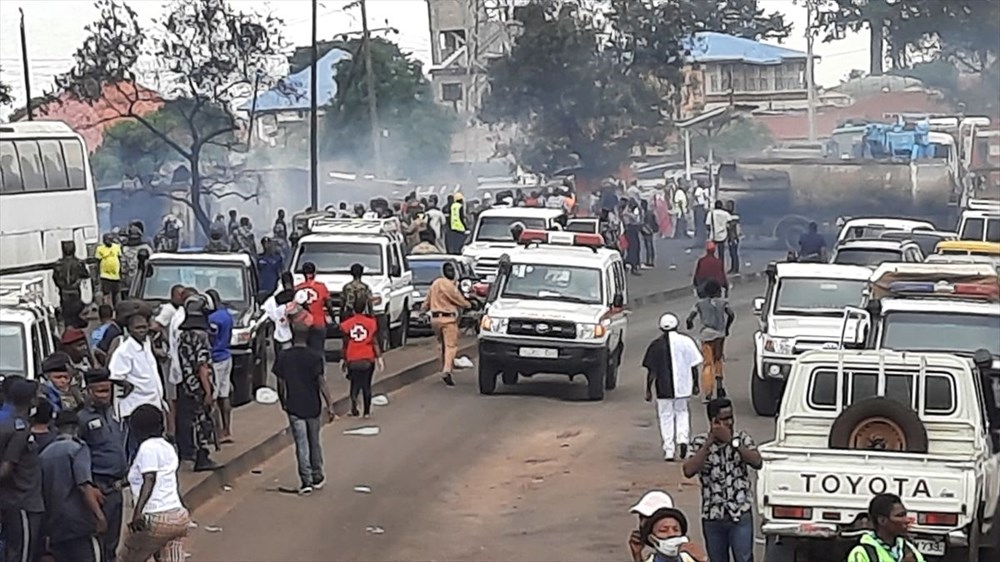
(135, 363)
(279, 316)
(685, 355)
(174, 334)
(717, 220)
(156, 455)
(435, 220)
(701, 196)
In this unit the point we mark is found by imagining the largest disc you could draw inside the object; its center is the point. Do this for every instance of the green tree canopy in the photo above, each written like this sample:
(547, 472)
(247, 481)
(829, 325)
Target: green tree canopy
(206, 55)
(743, 18)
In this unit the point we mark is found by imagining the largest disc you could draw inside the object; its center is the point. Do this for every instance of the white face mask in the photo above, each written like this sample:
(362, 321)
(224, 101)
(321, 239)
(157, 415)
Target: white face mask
(668, 547)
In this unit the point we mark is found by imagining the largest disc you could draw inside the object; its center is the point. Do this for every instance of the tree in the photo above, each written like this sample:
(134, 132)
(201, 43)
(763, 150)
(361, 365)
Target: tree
(416, 131)
(205, 51)
(742, 18)
(5, 95)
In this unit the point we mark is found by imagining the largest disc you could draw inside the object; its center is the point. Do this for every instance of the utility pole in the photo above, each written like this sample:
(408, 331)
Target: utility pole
(27, 74)
(313, 119)
(370, 86)
(810, 79)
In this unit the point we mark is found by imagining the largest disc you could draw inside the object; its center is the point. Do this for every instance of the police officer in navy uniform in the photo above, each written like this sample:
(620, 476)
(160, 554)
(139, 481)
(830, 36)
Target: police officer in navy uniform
(21, 505)
(106, 438)
(73, 516)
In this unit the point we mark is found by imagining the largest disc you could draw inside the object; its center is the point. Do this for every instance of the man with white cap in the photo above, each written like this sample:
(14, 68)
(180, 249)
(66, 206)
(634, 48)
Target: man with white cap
(671, 364)
(652, 501)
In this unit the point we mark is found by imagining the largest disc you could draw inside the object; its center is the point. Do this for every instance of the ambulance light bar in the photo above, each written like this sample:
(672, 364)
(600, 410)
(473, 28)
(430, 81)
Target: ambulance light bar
(944, 288)
(562, 238)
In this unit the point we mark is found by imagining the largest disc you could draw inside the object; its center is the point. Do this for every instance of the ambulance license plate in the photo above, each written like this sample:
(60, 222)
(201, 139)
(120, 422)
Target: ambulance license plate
(929, 547)
(538, 353)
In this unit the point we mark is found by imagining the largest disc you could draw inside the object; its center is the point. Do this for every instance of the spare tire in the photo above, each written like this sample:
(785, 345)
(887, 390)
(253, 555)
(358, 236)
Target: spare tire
(879, 424)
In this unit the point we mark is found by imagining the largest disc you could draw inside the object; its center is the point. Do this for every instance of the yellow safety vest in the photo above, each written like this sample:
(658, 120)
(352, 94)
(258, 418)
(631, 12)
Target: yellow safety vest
(456, 217)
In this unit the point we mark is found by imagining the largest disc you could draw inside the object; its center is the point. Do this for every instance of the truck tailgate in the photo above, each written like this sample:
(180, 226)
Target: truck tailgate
(836, 486)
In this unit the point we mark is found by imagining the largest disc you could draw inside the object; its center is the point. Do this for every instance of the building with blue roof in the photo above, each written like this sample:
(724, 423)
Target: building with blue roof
(289, 101)
(724, 69)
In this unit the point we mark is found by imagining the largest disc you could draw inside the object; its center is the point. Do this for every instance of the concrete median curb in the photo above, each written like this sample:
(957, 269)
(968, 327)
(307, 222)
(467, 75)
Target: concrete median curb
(209, 487)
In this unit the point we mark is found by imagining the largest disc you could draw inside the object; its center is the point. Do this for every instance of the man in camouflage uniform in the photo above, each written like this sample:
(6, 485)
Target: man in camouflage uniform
(354, 291)
(67, 274)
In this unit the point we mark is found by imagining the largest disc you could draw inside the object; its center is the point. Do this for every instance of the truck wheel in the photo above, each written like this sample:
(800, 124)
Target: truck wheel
(879, 424)
(789, 229)
(487, 377)
(764, 395)
(595, 382)
(611, 379)
(397, 337)
(508, 377)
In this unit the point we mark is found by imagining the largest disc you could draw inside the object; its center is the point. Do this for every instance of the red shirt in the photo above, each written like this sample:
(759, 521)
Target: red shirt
(359, 337)
(316, 297)
(710, 267)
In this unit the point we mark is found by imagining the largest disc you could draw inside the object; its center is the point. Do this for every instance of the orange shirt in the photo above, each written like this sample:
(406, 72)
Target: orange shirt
(316, 297)
(359, 337)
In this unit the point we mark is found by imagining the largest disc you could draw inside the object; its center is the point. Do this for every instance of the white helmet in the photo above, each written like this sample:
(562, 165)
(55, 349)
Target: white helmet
(668, 322)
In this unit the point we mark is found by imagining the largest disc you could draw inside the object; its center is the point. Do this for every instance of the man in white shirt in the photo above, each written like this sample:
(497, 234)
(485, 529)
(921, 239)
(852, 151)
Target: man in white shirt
(717, 221)
(671, 363)
(680, 209)
(701, 197)
(133, 367)
(276, 309)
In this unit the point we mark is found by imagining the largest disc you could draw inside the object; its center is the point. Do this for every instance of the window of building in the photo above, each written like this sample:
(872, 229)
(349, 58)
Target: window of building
(451, 92)
(713, 81)
(750, 78)
(450, 41)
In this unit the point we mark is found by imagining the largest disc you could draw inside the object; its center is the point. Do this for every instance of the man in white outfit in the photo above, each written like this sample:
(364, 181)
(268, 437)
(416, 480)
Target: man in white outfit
(672, 364)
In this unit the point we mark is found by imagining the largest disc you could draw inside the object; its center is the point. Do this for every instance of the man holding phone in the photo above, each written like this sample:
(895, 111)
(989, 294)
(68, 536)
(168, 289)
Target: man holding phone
(721, 459)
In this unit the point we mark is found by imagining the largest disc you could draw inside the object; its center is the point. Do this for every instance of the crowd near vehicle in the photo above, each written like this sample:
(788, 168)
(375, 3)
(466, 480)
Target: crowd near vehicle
(46, 198)
(334, 244)
(26, 326)
(492, 238)
(426, 268)
(802, 310)
(234, 277)
(557, 306)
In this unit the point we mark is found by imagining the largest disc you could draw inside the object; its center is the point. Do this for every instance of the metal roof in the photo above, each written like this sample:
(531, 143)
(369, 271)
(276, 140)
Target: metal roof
(710, 46)
(292, 92)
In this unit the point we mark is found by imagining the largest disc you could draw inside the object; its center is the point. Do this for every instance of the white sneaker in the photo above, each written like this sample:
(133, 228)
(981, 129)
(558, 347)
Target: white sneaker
(305, 490)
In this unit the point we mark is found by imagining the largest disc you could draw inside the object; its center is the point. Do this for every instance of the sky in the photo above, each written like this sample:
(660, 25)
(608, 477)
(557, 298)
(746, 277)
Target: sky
(55, 28)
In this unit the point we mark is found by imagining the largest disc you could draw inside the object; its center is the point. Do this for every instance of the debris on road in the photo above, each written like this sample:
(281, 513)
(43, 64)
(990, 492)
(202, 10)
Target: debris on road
(375, 530)
(380, 400)
(227, 488)
(256, 471)
(213, 529)
(366, 431)
(363, 489)
(463, 362)
(192, 524)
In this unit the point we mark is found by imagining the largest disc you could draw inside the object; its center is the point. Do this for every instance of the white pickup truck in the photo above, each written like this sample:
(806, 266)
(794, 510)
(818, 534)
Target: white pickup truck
(854, 424)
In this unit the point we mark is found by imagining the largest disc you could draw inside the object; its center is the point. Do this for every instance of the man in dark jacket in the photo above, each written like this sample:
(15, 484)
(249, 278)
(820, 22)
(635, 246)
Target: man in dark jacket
(709, 268)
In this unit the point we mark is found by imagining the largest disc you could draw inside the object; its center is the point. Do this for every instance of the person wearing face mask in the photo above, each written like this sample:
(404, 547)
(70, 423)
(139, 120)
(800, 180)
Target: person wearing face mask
(665, 532)
(650, 503)
(888, 541)
(445, 302)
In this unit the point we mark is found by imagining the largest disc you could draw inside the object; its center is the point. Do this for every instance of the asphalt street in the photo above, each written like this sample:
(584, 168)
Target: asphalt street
(533, 473)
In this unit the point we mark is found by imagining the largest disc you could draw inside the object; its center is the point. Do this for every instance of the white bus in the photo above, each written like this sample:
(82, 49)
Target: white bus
(46, 197)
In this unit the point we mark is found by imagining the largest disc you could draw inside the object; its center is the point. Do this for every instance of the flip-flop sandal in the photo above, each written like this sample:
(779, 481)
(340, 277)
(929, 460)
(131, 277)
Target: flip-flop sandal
(227, 441)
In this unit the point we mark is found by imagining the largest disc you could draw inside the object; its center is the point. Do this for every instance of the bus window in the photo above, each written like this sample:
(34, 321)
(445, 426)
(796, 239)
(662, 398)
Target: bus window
(31, 166)
(10, 169)
(73, 149)
(55, 166)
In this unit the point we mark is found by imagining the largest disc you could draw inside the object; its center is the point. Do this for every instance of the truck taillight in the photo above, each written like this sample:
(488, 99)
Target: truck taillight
(789, 512)
(938, 519)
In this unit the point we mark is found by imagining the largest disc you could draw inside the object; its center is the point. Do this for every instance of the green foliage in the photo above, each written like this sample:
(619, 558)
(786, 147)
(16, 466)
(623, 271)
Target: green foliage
(743, 18)
(417, 131)
(5, 96)
(740, 137)
(210, 55)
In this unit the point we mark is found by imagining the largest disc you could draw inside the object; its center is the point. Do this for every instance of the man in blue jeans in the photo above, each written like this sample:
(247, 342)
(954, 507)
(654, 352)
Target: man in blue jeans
(301, 373)
(721, 459)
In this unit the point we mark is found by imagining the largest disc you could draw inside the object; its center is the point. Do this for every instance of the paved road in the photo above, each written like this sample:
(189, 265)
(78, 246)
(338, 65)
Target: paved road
(533, 473)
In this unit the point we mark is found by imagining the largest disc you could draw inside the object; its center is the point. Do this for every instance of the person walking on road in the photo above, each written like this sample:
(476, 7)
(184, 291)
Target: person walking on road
(455, 233)
(633, 236)
(888, 539)
(650, 227)
(195, 394)
(722, 459)
(716, 318)
(68, 274)
(671, 364)
(317, 302)
(445, 302)
(650, 503)
(733, 234)
(74, 520)
(680, 209)
(159, 520)
(301, 374)
(105, 436)
(109, 257)
(221, 322)
(718, 220)
(356, 290)
(360, 356)
(701, 199)
(709, 268)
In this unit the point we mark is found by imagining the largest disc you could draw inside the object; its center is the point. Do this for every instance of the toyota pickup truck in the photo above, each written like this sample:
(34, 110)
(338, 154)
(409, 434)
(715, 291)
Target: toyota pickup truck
(856, 423)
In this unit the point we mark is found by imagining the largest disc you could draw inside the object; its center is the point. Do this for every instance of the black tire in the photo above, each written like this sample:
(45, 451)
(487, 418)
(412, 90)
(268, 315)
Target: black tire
(764, 395)
(487, 377)
(397, 337)
(908, 421)
(509, 377)
(611, 378)
(595, 383)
